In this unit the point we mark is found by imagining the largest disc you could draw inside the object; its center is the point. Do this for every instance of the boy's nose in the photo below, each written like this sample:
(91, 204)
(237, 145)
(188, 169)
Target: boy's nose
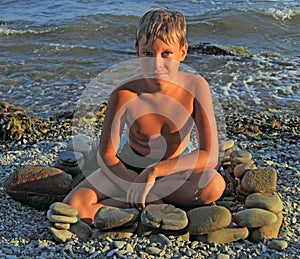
(158, 63)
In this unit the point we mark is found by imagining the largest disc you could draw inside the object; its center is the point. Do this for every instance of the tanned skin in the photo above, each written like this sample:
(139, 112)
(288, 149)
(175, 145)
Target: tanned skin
(159, 108)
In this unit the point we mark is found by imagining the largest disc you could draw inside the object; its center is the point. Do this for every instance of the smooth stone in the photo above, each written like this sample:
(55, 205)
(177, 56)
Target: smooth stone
(255, 217)
(38, 186)
(278, 245)
(60, 235)
(61, 218)
(223, 256)
(119, 244)
(63, 209)
(81, 229)
(226, 145)
(109, 217)
(240, 169)
(70, 169)
(240, 156)
(266, 201)
(153, 250)
(203, 220)
(262, 179)
(70, 157)
(227, 235)
(228, 151)
(60, 225)
(268, 231)
(164, 216)
(160, 239)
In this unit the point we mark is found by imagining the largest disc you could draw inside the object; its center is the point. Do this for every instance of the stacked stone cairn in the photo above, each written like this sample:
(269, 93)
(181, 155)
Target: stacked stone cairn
(250, 208)
(261, 212)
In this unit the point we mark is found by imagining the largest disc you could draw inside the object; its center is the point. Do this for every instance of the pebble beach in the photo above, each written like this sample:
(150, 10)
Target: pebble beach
(25, 233)
(53, 52)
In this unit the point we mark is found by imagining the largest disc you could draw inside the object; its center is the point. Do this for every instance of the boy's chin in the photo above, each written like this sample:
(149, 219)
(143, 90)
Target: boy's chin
(158, 84)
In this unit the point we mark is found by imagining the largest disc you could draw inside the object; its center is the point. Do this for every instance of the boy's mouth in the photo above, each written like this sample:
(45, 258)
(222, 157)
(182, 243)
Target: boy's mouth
(159, 75)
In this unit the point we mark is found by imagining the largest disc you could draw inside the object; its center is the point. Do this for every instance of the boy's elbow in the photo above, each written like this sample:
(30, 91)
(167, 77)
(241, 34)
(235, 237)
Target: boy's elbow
(106, 160)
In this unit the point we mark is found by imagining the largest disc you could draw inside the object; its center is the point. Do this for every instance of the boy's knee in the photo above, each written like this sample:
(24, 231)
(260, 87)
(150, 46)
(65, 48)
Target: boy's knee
(82, 197)
(214, 190)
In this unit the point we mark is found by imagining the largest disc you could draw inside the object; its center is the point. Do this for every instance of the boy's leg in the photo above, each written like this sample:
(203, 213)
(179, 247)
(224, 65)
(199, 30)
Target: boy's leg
(93, 193)
(179, 189)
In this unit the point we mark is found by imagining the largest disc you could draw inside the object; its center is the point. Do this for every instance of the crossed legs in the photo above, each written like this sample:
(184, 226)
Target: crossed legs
(178, 189)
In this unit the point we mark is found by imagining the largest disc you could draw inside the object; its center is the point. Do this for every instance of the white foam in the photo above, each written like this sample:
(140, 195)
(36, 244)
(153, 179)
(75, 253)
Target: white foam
(284, 14)
(7, 32)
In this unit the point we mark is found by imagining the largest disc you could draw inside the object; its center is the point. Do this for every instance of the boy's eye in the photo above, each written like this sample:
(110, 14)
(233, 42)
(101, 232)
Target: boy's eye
(165, 54)
(147, 54)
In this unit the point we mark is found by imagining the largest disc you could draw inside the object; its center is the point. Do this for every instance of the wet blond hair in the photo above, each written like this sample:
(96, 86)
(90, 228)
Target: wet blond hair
(163, 23)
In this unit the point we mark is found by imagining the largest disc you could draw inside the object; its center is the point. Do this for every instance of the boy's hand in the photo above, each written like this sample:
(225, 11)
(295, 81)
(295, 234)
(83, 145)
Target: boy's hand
(139, 189)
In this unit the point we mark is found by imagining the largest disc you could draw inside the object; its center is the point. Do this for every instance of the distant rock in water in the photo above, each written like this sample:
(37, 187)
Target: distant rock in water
(214, 49)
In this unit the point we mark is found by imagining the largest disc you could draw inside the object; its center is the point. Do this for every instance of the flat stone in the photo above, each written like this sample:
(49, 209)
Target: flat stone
(153, 250)
(267, 201)
(262, 179)
(61, 208)
(228, 151)
(203, 220)
(278, 245)
(226, 145)
(70, 157)
(223, 256)
(81, 229)
(38, 186)
(253, 218)
(227, 235)
(61, 218)
(240, 169)
(61, 236)
(164, 216)
(60, 225)
(70, 169)
(109, 217)
(269, 231)
(240, 156)
(160, 239)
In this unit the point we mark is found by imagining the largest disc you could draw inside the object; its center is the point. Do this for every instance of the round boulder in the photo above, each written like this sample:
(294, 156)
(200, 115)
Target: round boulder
(203, 220)
(38, 186)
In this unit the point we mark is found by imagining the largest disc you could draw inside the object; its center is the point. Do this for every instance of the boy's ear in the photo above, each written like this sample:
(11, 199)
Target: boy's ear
(183, 51)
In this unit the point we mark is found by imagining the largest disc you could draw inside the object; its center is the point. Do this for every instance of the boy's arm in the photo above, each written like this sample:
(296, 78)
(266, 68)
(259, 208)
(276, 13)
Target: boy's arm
(110, 139)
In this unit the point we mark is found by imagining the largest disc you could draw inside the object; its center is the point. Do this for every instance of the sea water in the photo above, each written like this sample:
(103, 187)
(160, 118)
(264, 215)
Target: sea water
(50, 51)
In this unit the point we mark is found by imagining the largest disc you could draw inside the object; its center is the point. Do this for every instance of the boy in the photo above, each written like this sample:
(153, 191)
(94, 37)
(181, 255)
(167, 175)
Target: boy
(159, 108)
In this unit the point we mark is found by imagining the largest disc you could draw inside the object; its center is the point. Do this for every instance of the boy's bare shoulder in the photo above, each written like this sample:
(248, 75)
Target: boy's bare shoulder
(193, 82)
(125, 91)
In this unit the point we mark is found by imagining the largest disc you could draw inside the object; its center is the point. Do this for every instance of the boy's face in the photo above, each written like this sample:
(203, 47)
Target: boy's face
(160, 60)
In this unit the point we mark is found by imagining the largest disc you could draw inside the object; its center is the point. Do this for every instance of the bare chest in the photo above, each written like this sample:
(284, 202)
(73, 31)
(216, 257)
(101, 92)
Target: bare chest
(158, 114)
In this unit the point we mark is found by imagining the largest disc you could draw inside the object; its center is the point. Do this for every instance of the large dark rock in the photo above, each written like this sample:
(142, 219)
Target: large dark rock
(38, 186)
